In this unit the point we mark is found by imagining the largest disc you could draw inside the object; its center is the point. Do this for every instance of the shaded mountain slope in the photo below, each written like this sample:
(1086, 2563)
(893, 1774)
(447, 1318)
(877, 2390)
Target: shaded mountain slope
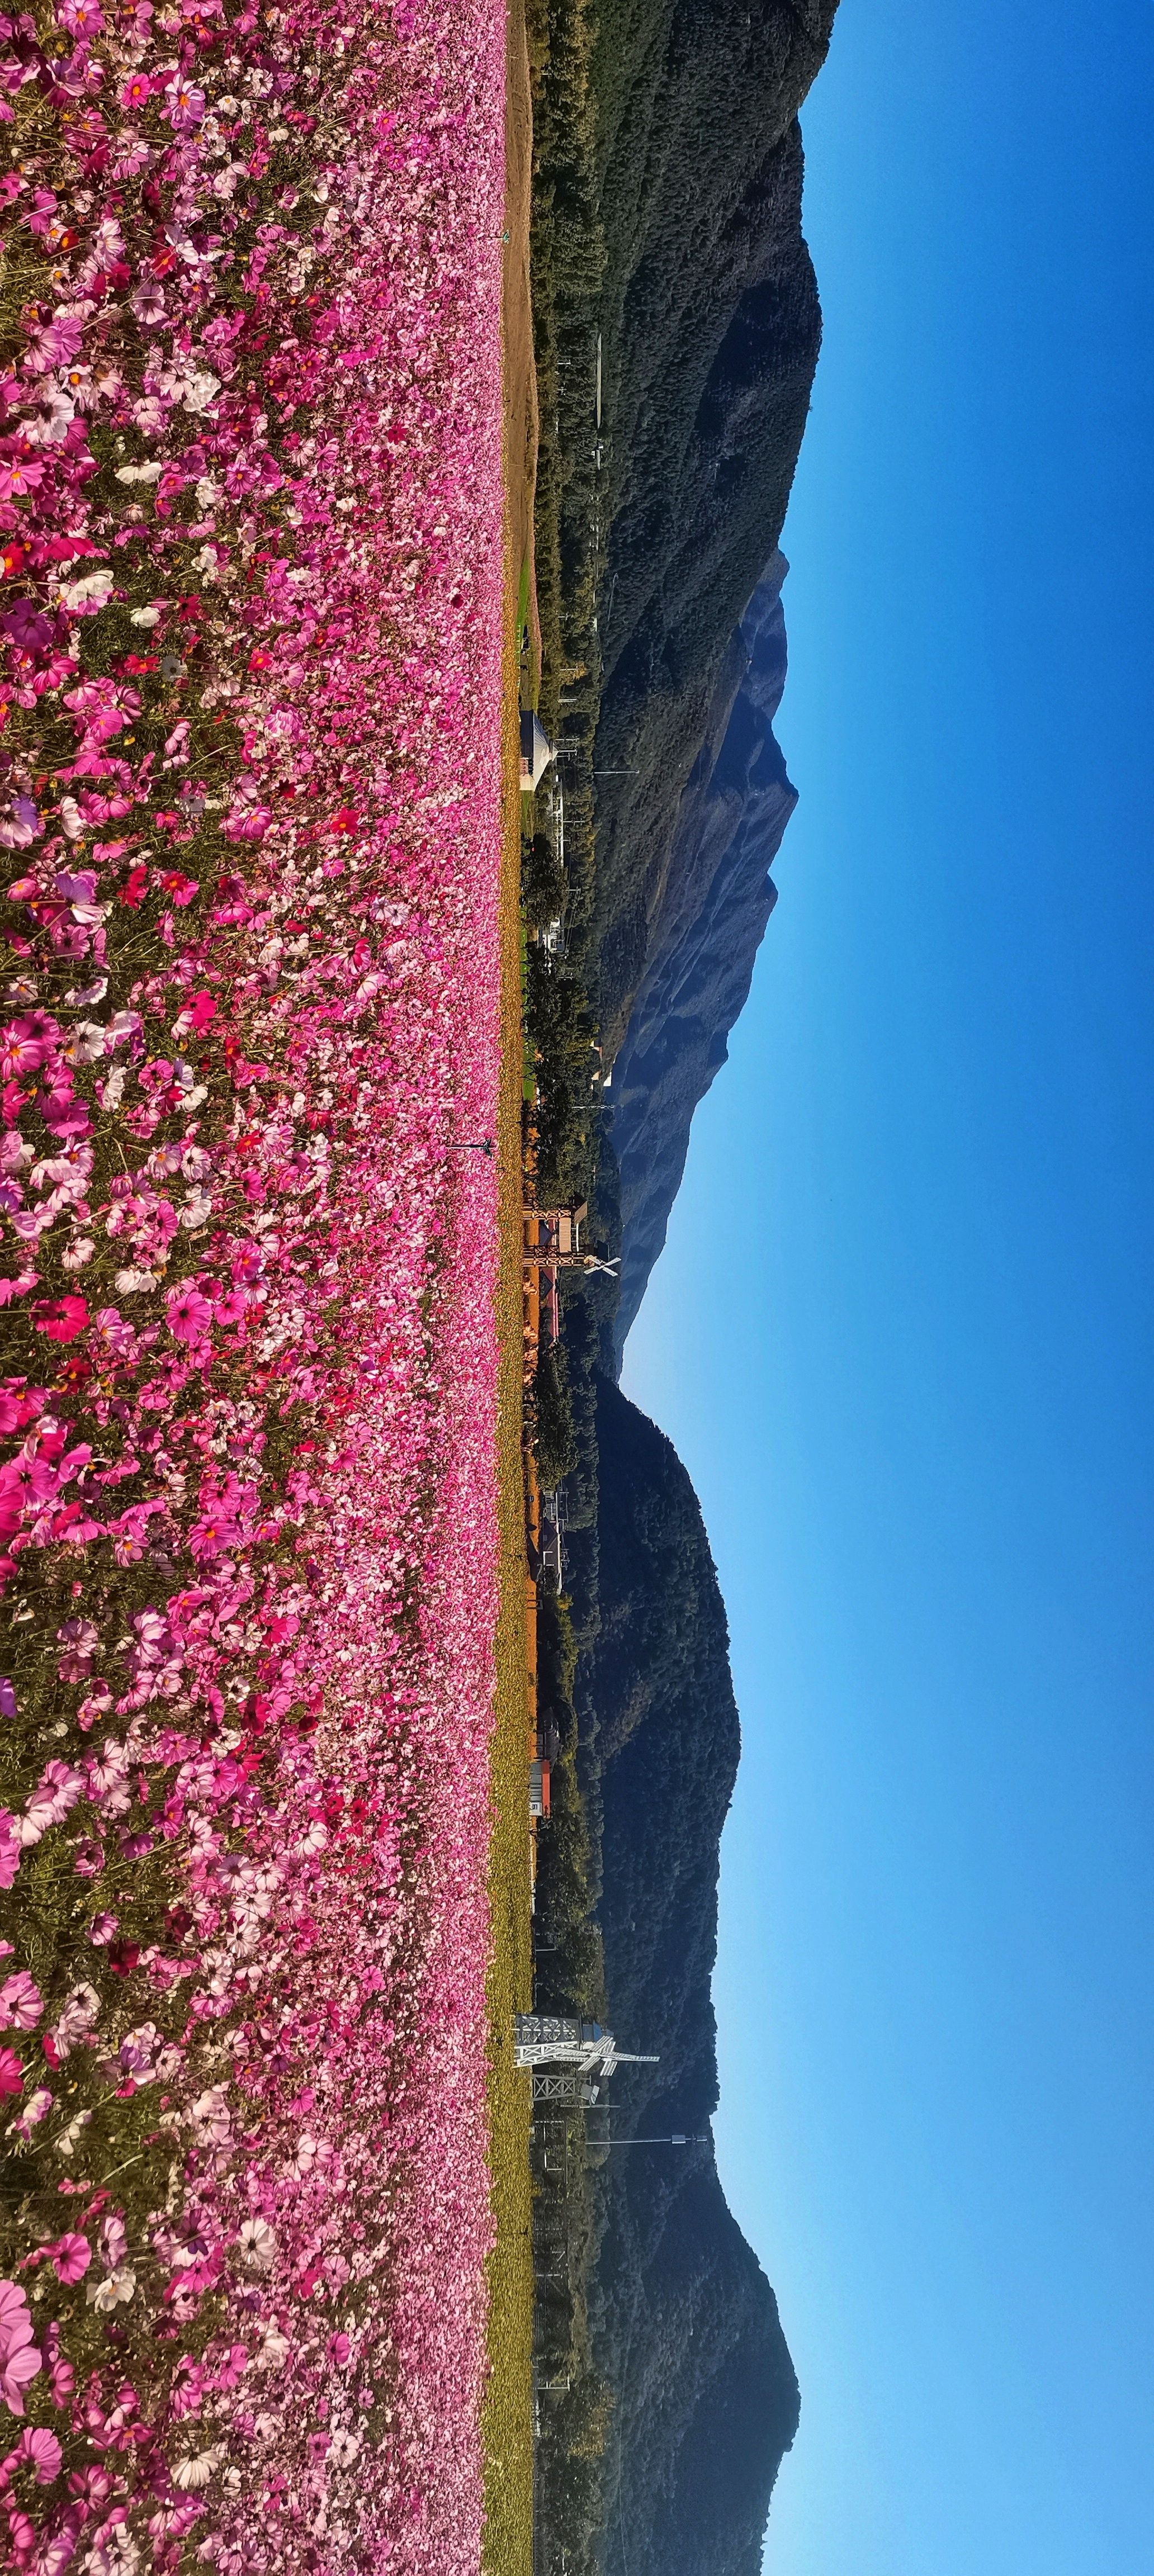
(717, 899)
(706, 2398)
(711, 332)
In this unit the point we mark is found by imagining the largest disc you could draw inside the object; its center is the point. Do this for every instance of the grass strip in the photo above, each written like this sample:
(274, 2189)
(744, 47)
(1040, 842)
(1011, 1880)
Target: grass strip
(507, 2427)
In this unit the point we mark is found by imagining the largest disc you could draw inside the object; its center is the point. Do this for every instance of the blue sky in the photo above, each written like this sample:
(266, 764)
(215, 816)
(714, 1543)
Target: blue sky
(902, 1331)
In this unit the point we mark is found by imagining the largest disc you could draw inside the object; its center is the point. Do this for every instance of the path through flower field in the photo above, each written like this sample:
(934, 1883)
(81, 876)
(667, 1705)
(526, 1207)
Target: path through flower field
(251, 510)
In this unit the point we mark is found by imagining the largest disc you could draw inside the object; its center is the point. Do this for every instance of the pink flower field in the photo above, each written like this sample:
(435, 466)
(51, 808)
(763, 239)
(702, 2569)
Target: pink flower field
(251, 511)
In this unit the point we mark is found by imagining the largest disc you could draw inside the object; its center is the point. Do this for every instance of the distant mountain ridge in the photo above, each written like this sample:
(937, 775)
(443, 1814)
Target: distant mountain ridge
(712, 327)
(706, 2397)
(696, 275)
(718, 896)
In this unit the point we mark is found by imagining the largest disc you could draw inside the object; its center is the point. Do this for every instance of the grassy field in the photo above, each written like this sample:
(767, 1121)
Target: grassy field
(507, 2422)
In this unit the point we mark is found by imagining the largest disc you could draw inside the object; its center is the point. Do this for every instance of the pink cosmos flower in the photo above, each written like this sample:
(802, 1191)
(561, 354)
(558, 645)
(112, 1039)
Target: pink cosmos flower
(138, 2050)
(130, 156)
(70, 2257)
(18, 827)
(210, 1538)
(17, 480)
(19, 2357)
(148, 304)
(114, 1330)
(21, 2002)
(10, 1848)
(41, 2447)
(59, 340)
(113, 2241)
(103, 1929)
(81, 2010)
(78, 1641)
(189, 1314)
(63, 1319)
(56, 1791)
(11, 2074)
(185, 104)
(136, 91)
(29, 1040)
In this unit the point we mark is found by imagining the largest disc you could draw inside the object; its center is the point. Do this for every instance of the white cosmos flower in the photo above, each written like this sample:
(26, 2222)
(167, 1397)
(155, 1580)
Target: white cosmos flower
(70, 2137)
(259, 2245)
(211, 2117)
(192, 2474)
(273, 2350)
(115, 2292)
(90, 593)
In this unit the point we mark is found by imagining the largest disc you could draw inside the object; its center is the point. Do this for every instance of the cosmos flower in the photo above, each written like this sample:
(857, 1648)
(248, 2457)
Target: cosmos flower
(188, 1314)
(148, 304)
(21, 2002)
(278, 1543)
(19, 2358)
(113, 2292)
(18, 478)
(42, 2449)
(70, 2257)
(258, 2244)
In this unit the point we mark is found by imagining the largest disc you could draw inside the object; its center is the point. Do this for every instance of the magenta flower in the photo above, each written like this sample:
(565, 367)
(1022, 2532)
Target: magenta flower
(19, 2356)
(11, 2074)
(185, 104)
(41, 2447)
(17, 480)
(59, 341)
(188, 1314)
(70, 2257)
(63, 1319)
(291, 1713)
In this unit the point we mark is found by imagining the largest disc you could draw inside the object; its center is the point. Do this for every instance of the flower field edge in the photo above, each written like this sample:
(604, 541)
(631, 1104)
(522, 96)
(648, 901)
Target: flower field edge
(507, 2428)
(251, 512)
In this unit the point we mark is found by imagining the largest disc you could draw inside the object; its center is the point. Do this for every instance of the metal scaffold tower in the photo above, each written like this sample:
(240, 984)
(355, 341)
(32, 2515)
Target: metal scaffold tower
(569, 2060)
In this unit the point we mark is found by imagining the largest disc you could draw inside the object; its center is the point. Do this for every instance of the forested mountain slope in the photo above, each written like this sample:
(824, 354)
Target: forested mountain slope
(711, 327)
(719, 895)
(705, 2395)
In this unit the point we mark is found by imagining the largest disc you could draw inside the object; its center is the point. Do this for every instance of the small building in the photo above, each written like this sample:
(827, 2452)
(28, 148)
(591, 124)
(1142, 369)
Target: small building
(559, 1230)
(539, 1788)
(536, 752)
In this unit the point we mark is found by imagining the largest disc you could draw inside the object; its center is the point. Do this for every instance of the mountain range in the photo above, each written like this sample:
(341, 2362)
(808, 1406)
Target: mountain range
(710, 328)
(717, 896)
